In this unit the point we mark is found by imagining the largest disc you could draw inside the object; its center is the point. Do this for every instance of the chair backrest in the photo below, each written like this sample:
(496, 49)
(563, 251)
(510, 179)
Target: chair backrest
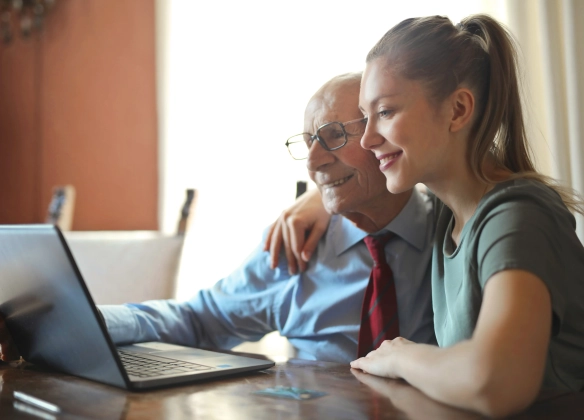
(60, 211)
(301, 188)
(127, 266)
(130, 266)
(185, 213)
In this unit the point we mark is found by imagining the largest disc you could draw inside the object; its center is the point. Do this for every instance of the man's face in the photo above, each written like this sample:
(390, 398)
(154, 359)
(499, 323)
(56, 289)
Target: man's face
(349, 178)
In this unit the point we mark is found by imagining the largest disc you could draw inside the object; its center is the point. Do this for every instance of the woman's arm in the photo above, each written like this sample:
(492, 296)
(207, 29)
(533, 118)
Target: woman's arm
(299, 228)
(410, 400)
(499, 370)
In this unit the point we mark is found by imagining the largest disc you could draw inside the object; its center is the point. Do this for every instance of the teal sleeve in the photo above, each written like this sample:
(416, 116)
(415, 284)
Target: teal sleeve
(523, 236)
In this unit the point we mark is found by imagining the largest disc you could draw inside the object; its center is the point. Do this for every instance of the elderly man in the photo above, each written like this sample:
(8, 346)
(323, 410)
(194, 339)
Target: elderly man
(320, 309)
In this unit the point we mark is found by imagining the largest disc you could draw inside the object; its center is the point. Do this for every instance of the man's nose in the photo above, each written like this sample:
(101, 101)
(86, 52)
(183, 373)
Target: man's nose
(318, 157)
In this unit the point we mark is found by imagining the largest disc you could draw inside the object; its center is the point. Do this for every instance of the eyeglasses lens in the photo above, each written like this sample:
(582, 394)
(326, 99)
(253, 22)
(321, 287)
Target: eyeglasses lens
(332, 135)
(356, 128)
(299, 145)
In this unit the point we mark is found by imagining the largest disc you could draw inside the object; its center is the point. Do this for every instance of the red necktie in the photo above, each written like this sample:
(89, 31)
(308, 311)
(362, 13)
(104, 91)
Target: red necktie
(379, 320)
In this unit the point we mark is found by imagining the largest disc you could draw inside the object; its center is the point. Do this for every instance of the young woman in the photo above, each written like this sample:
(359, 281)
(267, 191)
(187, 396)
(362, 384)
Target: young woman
(444, 109)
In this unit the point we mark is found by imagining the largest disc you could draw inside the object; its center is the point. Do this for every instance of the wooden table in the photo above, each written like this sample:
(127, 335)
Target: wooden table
(351, 395)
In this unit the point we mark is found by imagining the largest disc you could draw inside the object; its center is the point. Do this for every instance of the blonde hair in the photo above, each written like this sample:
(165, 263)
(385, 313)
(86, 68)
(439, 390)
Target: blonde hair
(480, 54)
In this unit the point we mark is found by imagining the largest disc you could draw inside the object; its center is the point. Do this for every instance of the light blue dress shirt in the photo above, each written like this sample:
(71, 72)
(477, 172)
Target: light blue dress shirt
(318, 311)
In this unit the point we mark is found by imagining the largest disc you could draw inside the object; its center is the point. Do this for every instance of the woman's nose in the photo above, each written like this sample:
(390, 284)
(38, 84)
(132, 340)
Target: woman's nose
(371, 138)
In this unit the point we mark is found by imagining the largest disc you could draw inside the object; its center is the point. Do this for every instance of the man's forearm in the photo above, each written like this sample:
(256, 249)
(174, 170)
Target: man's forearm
(157, 320)
(120, 323)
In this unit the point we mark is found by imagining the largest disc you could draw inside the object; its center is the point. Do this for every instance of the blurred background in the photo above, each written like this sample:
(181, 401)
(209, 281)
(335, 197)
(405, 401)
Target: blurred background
(134, 101)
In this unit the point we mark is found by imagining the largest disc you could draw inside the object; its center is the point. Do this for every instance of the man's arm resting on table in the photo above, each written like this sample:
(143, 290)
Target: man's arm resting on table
(238, 308)
(161, 320)
(120, 323)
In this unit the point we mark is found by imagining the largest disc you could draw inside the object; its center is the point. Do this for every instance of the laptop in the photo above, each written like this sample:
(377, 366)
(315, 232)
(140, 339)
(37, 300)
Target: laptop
(55, 323)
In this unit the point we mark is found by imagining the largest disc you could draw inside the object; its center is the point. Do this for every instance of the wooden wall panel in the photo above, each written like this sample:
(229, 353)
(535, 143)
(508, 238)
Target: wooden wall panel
(19, 158)
(96, 122)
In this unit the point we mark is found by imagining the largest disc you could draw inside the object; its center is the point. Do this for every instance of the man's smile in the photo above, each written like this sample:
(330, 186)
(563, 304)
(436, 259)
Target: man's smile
(337, 182)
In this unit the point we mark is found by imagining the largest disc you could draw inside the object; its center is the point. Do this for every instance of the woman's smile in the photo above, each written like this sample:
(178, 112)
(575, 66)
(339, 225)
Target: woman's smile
(388, 159)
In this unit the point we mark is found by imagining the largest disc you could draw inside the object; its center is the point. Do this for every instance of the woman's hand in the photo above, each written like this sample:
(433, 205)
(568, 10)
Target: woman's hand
(384, 360)
(299, 228)
(7, 348)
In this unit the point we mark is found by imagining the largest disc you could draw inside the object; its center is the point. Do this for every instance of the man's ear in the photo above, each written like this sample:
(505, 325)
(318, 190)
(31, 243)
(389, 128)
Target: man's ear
(463, 104)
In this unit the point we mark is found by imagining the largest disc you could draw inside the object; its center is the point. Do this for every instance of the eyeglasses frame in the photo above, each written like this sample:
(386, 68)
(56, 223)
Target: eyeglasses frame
(320, 140)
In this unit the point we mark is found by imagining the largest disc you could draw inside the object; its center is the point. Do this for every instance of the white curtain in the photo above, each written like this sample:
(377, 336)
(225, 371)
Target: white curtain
(551, 35)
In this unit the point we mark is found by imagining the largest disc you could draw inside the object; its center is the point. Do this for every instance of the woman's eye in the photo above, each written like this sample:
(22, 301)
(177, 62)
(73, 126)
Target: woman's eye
(385, 113)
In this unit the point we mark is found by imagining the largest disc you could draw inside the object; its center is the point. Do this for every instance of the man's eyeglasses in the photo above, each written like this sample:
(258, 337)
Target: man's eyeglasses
(331, 136)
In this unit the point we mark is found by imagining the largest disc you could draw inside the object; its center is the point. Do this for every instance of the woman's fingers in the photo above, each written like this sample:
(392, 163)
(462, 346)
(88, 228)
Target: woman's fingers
(288, 251)
(379, 362)
(298, 230)
(268, 243)
(312, 240)
(274, 243)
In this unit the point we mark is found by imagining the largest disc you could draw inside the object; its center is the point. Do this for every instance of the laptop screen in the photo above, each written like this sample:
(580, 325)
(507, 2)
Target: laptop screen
(48, 310)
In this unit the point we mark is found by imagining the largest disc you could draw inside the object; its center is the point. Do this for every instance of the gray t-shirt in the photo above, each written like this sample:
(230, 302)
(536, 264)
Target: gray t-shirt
(520, 224)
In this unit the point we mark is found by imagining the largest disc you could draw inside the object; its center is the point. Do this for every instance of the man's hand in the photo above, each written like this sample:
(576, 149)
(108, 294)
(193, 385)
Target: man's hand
(299, 228)
(7, 349)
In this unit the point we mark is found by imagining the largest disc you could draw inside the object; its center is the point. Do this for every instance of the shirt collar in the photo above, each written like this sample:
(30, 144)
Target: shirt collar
(410, 224)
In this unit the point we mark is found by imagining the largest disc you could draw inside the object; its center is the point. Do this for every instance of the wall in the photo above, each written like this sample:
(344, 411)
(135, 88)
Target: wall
(78, 106)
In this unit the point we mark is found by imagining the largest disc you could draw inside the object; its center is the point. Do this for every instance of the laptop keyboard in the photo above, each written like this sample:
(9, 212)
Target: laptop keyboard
(146, 365)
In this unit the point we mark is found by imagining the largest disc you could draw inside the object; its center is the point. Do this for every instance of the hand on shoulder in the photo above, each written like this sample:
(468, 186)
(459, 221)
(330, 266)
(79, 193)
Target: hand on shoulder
(299, 229)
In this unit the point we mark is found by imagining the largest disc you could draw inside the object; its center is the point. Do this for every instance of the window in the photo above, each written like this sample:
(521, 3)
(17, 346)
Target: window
(234, 79)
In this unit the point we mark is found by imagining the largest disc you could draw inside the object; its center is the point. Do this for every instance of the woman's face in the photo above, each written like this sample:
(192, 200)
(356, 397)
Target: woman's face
(408, 134)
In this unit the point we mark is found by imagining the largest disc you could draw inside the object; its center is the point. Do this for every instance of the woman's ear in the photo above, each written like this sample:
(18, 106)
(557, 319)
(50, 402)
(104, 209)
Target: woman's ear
(463, 103)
